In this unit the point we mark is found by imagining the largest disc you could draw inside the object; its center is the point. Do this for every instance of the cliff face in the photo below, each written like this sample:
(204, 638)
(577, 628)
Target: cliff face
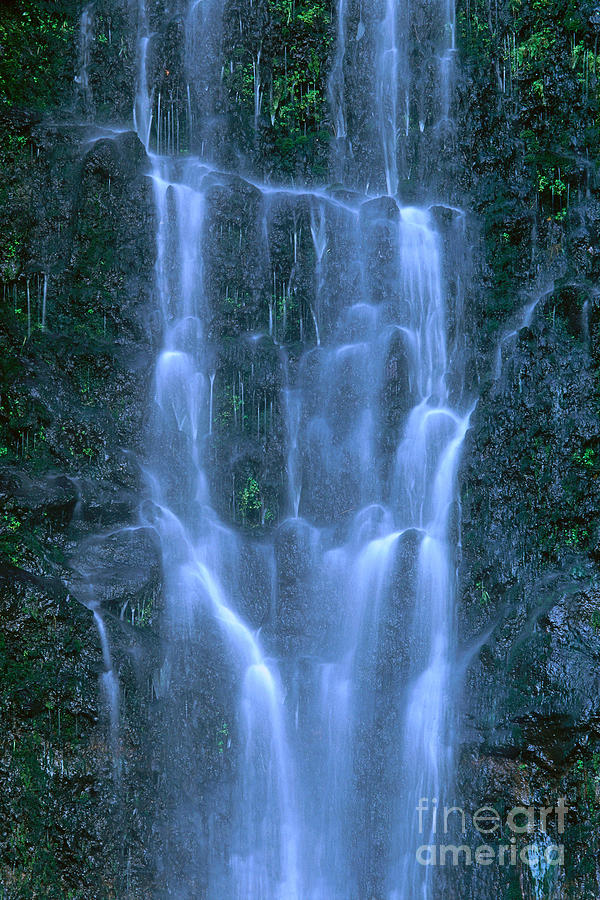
(529, 608)
(78, 335)
(77, 251)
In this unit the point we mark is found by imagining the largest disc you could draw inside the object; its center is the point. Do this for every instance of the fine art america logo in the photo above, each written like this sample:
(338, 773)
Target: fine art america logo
(501, 836)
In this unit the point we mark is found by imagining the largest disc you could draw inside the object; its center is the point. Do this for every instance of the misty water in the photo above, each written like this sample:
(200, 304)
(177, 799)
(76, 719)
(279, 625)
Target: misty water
(331, 622)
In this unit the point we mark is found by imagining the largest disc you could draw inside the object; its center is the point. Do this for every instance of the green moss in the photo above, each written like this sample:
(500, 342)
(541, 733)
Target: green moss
(484, 596)
(222, 737)
(291, 78)
(250, 502)
(38, 47)
(540, 58)
(586, 458)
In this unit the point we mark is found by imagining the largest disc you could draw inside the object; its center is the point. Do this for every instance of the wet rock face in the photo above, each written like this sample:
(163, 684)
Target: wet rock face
(77, 346)
(52, 757)
(530, 495)
(530, 523)
(77, 341)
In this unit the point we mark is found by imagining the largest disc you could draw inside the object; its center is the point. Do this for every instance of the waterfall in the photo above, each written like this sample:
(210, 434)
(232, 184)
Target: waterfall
(110, 689)
(203, 582)
(321, 647)
(86, 38)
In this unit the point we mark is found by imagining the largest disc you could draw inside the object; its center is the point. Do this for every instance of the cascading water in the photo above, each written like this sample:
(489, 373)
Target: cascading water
(200, 558)
(338, 689)
(82, 79)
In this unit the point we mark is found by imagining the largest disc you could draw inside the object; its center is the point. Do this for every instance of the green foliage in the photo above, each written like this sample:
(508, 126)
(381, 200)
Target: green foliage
(11, 245)
(543, 58)
(576, 537)
(143, 611)
(585, 458)
(229, 408)
(484, 596)
(31, 868)
(249, 502)
(535, 50)
(286, 67)
(584, 794)
(81, 441)
(10, 522)
(222, 737)
(474, 30)
(38, 47)
(23, 419)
